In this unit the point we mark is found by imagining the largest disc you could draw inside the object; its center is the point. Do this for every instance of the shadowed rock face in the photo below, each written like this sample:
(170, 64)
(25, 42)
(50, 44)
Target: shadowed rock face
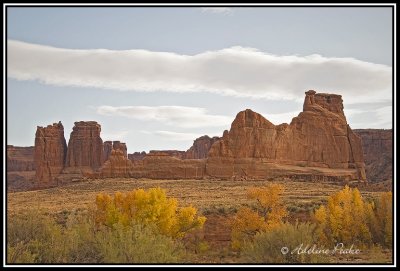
(85, 146)
(20, 158)
(318, 137)
(377, 146)
(50, 151)
(200, 147)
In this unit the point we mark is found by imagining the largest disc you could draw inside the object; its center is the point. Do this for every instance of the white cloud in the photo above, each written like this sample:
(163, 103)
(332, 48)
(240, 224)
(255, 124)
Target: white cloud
(236, 71)
(218, 10)
(376, 118)
(116, 135)
(173, 136)
(179, 116)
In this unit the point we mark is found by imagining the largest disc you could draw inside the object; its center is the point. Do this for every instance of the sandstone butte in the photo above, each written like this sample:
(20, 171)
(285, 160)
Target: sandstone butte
(50, 152)
(318, 144)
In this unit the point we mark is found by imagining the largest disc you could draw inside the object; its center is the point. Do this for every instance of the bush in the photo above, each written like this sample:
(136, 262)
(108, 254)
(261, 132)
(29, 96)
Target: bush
(35, 238)
(136, 244)
(266, 246)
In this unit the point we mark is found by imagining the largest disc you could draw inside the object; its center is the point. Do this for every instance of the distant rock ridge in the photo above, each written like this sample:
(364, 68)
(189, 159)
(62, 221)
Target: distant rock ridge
(378, 153)
(20, 158)
(317, 145)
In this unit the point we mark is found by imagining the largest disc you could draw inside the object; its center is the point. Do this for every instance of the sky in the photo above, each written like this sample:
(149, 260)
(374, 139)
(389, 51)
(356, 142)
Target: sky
(157, 78)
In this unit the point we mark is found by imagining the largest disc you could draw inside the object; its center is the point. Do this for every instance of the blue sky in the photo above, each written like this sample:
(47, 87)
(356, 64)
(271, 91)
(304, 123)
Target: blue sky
(164, 76)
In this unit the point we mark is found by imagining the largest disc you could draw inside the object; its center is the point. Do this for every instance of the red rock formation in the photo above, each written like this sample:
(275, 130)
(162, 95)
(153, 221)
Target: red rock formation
(155, 165)
(378, 153)
(107, 148)
(200, 147)
(117, 145)
(50, 151)
(85, 146)
(20, 158)
(136, 156)
(113, 145)
(117, 166)
(172, 153)
(318, 137)
(161, 165)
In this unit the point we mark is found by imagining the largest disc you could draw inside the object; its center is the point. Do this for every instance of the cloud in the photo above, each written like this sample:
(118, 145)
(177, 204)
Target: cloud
(218, 10)
(116, 135)
(179, 116)
(376, 118)
(173, 136)
(236, 71)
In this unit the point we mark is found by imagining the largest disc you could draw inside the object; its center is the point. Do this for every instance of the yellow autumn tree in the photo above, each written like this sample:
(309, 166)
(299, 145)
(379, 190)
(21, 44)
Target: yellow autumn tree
(267, 215)
(151, 207)
(350, 219)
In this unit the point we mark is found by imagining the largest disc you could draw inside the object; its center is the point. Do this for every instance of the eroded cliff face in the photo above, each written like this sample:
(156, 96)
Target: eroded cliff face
(85, 146)
(318, 137)
(50, 152)
(378, 153)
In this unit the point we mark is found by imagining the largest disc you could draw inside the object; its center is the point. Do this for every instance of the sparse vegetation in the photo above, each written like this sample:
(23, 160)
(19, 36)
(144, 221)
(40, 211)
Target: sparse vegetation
(266, 246)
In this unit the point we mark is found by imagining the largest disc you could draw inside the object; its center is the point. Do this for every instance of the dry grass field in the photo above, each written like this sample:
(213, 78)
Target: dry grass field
(206, 195)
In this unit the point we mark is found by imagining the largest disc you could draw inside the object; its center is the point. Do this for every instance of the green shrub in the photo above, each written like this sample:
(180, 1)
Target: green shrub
(136, 244)
(266, 246)
(33, 237)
